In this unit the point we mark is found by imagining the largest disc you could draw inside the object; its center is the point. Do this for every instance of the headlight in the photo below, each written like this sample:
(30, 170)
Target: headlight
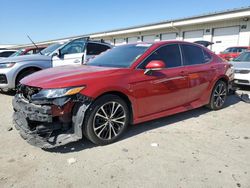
(7, 65)
(57, 93)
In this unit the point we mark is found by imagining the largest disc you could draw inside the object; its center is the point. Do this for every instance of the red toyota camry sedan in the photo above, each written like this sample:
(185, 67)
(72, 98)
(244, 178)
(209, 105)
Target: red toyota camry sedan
(129, 84)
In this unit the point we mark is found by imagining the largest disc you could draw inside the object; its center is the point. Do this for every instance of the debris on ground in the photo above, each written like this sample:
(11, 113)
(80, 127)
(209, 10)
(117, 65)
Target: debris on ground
(154, 144)
(71, 161)
(125, 150)
(244, 97)
(9, 128)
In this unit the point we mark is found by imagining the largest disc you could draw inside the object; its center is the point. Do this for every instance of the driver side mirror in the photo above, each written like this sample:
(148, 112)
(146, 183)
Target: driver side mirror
(154, 65)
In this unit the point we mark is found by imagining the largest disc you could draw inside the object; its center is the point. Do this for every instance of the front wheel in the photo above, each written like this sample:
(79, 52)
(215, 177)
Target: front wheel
(106, 120)
(218, 96)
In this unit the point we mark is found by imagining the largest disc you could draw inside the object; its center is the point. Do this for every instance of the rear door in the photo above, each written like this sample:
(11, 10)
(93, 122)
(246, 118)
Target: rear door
(164, 89)
(71, 53)
(200, 71)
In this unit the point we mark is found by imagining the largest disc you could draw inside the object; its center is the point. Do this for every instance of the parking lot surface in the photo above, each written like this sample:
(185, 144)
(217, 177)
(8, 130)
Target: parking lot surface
(199, 148)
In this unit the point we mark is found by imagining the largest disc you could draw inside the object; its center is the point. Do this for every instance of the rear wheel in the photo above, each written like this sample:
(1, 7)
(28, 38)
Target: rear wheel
(106, 120)
(218, 96)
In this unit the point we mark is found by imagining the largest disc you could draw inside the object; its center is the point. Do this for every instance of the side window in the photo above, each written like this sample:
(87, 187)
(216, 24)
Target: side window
(74, 47)
(192, 55)
(207, 56)
(169, 54)
(96, 49)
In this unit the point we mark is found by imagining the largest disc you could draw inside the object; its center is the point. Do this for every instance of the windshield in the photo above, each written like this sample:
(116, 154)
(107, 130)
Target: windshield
(121, 56)
(17, 53)
(50, 49)
(245, 56)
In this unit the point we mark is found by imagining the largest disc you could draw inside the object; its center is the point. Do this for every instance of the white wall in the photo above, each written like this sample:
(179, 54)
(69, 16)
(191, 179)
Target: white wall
(244, 35)
(6, 45)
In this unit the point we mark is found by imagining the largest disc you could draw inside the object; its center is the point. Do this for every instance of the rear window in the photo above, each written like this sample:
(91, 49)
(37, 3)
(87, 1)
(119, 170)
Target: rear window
(194, 55)
(207, 56)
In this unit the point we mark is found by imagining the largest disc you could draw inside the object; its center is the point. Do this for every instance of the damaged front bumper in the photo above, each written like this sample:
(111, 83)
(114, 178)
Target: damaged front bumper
(46, 125)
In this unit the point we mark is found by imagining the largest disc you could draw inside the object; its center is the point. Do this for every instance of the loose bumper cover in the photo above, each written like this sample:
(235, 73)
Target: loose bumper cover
(37, 125)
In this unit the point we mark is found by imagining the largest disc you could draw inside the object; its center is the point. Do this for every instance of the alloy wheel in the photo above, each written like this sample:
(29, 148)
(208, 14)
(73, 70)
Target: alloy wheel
(109, 120)
(219, 95)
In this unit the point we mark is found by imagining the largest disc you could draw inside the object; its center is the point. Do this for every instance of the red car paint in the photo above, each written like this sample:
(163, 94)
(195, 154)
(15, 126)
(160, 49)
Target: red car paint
(156, 64)
(151, 97)
(233, 53)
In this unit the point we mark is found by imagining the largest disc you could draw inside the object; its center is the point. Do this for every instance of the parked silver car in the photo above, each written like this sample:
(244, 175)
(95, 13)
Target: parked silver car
(241, 66)
(77, 51)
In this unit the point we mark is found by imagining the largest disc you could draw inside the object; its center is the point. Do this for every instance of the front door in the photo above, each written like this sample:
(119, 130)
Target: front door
(163, 89)
(71, 53)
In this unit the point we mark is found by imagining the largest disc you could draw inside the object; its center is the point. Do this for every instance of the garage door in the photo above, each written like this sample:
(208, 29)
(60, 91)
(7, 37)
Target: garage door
(224, 38)
(192, 36)
(168, 36)
(109, 41)
(132, 40)
(120, 42)
(149, 38)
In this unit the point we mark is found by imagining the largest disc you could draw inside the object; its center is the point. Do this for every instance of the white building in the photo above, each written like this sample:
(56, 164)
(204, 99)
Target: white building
(225, 29)
(6, 45)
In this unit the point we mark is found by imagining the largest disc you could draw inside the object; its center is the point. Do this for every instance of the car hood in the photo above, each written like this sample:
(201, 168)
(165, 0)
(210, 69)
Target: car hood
(67, 76)
(26, 58)
(240, 65)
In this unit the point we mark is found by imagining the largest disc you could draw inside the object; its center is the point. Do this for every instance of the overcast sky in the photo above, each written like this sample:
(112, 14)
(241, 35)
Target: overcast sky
(52, 19)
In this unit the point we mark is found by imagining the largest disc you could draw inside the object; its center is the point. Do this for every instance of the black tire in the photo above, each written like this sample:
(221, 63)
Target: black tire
(94, 116)
(218, 96)
(24, 74)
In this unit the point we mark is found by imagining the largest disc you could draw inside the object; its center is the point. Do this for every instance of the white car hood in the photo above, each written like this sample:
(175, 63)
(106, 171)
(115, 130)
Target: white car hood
(240, 65)
(26, 58)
